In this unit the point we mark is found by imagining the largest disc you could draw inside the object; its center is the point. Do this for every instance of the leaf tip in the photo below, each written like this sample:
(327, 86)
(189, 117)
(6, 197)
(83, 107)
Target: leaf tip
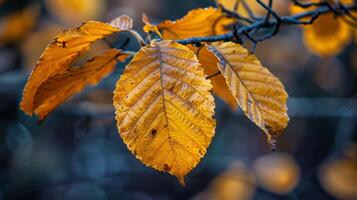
(181, 180)
(272, 141)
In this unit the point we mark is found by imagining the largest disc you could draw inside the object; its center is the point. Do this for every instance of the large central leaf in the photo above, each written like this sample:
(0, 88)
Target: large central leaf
(164, 108)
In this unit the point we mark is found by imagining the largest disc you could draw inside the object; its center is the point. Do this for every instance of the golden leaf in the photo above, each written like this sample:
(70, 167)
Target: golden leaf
(220, 88)
(164, 108)
(327, 35)
(58, 88)
(59, 55)
(197, 23)
(258, 92)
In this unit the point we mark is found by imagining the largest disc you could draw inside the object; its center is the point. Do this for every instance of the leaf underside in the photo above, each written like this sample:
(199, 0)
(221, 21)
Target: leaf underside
(164, 108)
(58, 88)
(220, 88)
(59, 55)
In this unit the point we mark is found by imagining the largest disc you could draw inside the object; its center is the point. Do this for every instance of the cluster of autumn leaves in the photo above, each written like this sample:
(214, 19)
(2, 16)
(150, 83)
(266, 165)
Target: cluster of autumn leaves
(163, 102)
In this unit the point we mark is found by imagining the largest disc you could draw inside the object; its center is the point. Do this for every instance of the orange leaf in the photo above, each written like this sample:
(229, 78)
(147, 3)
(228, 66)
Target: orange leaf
(197, 23)
(57, 88)
(60, 54)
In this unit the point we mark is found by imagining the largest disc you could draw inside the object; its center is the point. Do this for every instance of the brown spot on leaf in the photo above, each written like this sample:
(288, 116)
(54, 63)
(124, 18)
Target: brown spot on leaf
(166, 167)
(153, 132)
(62, 44)
(171, 88)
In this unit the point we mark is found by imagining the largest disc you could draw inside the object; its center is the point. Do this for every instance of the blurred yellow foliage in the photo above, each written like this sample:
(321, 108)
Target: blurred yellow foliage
(74, 12)
(277, 172)
(339, 176)
(14, 27)
(236, 183)
(328, 35)
(239, 6)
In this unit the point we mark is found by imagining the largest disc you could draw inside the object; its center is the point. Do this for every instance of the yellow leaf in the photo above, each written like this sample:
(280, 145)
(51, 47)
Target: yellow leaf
(327, 36)
(60, 54)
(197, 23)
(164, 108)
(338, 176)
(73, 12)
(220, 88)
(258, 92)
(58, 88)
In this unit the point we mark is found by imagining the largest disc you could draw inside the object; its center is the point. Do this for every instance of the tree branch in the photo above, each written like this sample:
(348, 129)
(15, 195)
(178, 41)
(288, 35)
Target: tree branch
(276, 22)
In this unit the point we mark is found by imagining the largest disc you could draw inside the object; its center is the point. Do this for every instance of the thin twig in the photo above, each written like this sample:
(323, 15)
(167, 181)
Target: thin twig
(268, 14)
(249, 11)
(236, 15)
(284, 20)
(308, 4)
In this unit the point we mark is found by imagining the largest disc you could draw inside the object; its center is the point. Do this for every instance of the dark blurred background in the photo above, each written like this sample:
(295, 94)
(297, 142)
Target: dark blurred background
(77, 152)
